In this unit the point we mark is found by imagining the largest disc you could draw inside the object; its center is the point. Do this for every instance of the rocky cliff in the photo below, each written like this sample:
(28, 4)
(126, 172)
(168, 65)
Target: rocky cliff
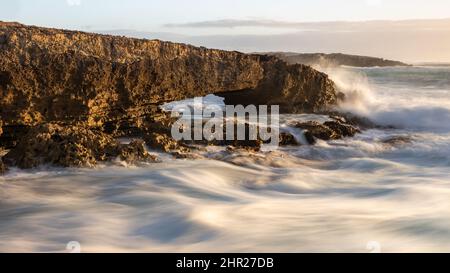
(114, 85)
(335, 59)
(49, 74)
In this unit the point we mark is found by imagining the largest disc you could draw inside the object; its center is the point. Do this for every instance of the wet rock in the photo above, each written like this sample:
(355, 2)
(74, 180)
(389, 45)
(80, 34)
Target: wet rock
(310, 137)
(157, 133)
(338, 118)
(317, 130)
(72, 146)
(186, 155)
(67, 146)
(163, 142)
(362, 123)
(397, 140)
(251, 145)
(159, 137)
(250, 140)
(330, 130)
(12, 134)
(135, 152)
(341, 129)
(287, 139)
(2, 167)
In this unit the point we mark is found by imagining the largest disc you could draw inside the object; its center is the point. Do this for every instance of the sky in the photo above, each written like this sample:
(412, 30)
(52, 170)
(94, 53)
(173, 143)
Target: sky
(257, 25)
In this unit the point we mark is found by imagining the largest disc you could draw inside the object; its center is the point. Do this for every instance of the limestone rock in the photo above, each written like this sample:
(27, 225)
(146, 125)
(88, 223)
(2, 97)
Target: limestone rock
(341, 129)
(162, 142)
(317, 130)
(2, 167)
(88, 89)
(330, 130)
(287, 139)
(72, 146)
(50, 75)
(398, 140)
(135, 152)
(67, 146)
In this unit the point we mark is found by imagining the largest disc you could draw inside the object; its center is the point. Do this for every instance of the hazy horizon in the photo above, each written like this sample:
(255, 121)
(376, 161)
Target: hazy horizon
(413, 41)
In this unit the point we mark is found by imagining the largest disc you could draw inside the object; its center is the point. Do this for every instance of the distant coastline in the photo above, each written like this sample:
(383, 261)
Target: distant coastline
(433, 64)
(335, 59)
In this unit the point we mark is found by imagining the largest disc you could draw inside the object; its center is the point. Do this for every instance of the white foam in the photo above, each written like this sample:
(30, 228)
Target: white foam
(405, 104)
(199, 103)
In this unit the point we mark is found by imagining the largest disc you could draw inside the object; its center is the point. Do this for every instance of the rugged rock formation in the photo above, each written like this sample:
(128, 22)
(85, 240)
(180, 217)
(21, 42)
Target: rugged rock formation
(397, 140)
(163, 142)
(135, 152)
(295, 88)
(287, 139)
(70, 146)
(2, 167)
(157, 134)
(336, 59)
(158, 137)
(330, 130)
(65, 96)
(57, 75)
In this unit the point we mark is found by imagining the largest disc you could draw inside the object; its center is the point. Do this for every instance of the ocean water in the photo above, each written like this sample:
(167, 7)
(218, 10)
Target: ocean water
(383, 190)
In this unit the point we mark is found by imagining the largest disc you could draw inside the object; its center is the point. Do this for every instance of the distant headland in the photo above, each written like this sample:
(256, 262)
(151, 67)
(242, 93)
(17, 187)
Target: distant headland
(334, 59)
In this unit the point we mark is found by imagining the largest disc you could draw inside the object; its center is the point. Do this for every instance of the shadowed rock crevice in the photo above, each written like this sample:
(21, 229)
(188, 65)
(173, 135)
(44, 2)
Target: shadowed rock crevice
(330, 130)
(71, 146)
(2, 167)
(295, 88)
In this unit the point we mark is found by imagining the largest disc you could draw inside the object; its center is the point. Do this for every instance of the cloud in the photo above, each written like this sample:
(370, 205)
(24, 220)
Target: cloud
(322, 26)
(73, 3)
(231, 23)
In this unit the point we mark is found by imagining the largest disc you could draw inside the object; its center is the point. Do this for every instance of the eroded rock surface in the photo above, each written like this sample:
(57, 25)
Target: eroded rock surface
(287, 139)
(330, 130)
(2, 167)
(65, 96)
(70, 146)
(397, 140)
(135, 152)
(54, 75)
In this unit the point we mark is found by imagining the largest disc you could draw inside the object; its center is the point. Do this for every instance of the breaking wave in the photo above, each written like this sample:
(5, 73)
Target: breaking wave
(400, 97)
